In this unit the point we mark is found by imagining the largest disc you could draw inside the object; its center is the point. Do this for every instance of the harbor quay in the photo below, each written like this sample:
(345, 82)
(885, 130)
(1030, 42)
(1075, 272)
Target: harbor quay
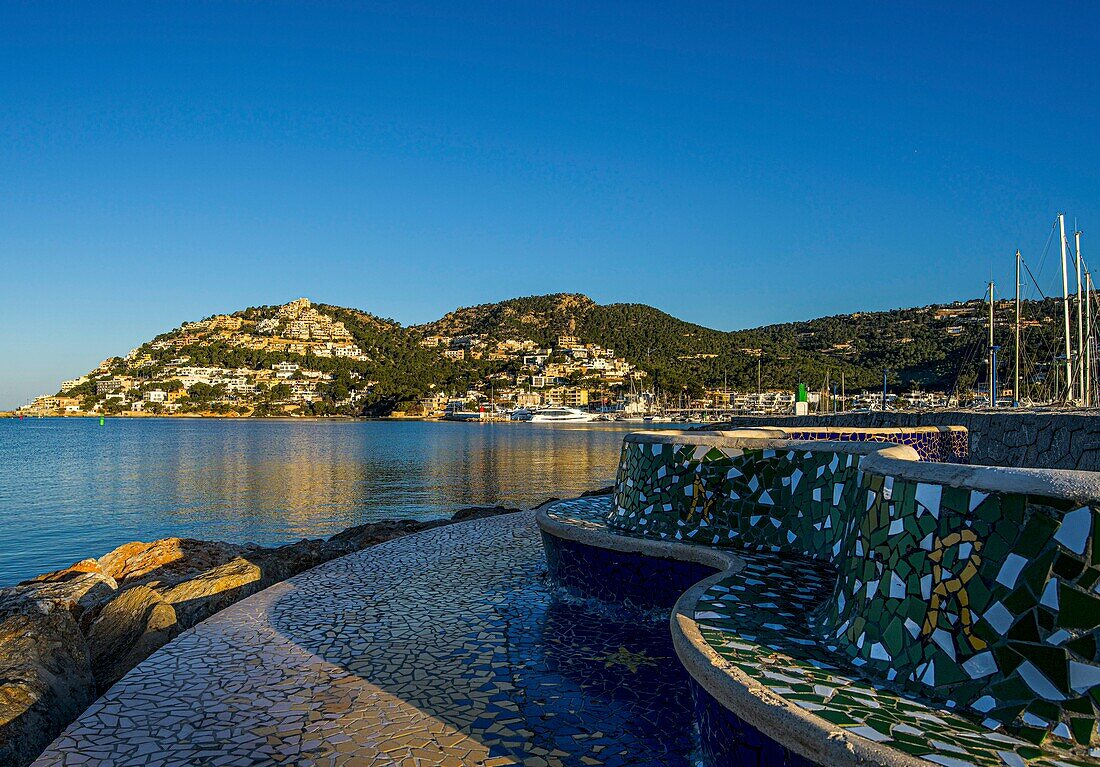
(767, 597)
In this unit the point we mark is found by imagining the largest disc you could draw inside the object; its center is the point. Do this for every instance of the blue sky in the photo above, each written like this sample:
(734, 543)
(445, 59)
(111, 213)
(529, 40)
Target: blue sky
(734, 165)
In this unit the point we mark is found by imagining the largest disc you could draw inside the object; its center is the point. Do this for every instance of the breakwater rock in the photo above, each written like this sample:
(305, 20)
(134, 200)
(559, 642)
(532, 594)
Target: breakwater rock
(67, 636)
(1041, 439)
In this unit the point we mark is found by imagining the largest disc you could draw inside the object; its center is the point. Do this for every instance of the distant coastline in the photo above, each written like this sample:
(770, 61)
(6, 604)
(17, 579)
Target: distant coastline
(306, 359)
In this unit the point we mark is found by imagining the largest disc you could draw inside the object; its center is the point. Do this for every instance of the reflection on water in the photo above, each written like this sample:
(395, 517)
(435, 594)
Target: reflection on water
(70, 488)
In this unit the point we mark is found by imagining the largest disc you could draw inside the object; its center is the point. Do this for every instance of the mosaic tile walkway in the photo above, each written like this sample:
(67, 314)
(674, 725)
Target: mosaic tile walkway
(443, 648)
(588, 513)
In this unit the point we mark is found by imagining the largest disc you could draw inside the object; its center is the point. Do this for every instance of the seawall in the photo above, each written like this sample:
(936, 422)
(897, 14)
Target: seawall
(1045, 439)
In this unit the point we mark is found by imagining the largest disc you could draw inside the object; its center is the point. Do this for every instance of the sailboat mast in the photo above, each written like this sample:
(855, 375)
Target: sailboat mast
(1081, 374)
(1065, 307)
(1016, 366)
(1088, 339)
(992, 358)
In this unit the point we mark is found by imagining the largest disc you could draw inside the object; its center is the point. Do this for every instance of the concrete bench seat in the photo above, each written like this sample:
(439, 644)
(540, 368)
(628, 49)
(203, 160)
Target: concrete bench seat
(846, 604)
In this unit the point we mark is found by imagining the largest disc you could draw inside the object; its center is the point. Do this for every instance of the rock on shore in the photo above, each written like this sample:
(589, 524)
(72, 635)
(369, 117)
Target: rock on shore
(67, 636)
(45, 676)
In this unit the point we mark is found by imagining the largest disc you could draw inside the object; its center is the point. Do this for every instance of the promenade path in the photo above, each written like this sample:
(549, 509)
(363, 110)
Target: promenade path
(446, 647)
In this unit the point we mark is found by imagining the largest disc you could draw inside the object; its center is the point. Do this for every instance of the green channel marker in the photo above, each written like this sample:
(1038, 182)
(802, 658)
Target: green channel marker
(101, 420)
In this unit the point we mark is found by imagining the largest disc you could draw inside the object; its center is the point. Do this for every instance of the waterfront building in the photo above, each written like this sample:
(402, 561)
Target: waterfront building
(574, 397)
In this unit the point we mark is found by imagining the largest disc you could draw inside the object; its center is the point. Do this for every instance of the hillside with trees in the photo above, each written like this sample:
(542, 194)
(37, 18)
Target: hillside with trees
(303, 358)
(933, 347)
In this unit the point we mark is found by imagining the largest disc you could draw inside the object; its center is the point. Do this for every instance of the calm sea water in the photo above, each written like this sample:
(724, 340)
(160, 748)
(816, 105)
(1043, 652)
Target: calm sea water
(70, 488)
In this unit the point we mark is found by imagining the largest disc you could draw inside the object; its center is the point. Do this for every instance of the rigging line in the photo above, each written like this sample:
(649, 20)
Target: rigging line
(1044, 341)
(1046, 251)
(1029, 334)
(1031, 337)
(970, 351)
(1034, 281)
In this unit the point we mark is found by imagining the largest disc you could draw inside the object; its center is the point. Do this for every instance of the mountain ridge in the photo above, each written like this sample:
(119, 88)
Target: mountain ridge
(312, 358)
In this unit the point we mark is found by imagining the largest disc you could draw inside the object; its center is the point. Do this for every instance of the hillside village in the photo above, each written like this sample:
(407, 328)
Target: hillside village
(160, 378)
(306, 359)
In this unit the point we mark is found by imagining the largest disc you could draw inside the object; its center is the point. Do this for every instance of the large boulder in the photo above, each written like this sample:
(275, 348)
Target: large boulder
(78, 592)
(599, 491)
(480, 512)
(371, 533)
(82, 567)
(200, 597)
(280, 563)
(127, 630)
(166, 561)
(45, 677)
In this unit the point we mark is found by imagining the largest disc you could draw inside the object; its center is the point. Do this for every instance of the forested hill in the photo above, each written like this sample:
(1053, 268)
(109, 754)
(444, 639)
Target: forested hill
(317, 359)
(931, 346)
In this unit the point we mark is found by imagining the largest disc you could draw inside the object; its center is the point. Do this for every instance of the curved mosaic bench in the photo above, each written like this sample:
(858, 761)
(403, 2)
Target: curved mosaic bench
(941, 444)
(958, 625)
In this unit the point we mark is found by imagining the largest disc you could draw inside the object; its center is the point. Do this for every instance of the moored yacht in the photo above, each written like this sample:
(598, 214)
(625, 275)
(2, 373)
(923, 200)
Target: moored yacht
(456, 411)
(521, 414)
(562, 415)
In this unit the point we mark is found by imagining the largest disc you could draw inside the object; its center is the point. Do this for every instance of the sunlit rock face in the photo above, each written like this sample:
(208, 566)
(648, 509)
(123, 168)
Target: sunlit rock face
(45, 675)
(170, 560)
(129, 628)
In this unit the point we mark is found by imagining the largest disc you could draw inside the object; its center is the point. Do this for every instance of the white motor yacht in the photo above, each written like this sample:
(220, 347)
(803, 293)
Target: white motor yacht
(562, 415)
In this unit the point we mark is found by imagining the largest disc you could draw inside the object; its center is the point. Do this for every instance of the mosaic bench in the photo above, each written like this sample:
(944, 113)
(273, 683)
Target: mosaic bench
(855, 605)
(940, 444)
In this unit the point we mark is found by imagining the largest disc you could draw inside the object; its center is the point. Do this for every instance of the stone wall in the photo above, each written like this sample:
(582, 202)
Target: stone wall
(1022, 438)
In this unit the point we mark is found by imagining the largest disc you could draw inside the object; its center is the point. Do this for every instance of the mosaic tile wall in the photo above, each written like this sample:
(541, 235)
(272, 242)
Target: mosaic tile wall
(785, 501)
(989, 601)
(761, 621)
(982, 602)
(939, 445)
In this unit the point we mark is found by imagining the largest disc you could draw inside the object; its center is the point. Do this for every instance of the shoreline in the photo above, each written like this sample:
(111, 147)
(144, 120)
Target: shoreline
(72, 633)
(349, 418)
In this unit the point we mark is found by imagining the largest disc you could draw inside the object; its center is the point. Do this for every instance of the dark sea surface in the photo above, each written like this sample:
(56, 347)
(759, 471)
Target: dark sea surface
(71, 489)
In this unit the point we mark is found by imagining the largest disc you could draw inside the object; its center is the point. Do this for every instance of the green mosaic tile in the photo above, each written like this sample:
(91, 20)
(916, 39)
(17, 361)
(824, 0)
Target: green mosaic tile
(979, 605)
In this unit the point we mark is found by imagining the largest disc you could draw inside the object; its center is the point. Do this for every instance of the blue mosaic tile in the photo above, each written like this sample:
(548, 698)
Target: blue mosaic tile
(619, 577)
